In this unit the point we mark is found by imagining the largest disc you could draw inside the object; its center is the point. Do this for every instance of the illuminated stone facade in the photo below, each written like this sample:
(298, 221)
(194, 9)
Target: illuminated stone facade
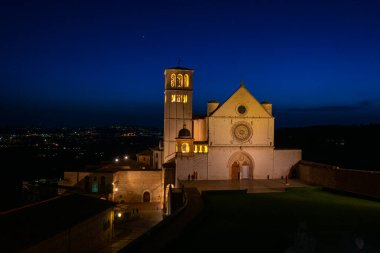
(121, 182)
(234, 141)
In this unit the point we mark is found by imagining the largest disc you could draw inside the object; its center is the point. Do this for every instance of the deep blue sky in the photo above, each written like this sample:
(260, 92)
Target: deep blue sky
(86, 63)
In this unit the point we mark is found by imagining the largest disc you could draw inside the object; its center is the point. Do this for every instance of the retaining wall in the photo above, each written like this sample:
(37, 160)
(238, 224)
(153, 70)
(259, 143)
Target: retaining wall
(355, 181)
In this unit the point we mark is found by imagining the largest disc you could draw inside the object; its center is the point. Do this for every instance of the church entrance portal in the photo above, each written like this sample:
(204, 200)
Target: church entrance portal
(241, 166)
(235, 171)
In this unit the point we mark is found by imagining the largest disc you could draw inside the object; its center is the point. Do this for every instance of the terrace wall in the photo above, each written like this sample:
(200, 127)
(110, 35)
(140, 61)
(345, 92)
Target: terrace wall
(354, 181)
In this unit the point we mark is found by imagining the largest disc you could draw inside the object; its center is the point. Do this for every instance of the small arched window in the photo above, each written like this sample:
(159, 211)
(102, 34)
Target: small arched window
(185, 148)
(186, 80)
(94, 185)
(179, 80)
(172, 80)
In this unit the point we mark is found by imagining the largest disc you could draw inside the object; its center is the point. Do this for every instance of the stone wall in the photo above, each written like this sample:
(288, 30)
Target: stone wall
(132, 185)
(355, 181)
(284, 160)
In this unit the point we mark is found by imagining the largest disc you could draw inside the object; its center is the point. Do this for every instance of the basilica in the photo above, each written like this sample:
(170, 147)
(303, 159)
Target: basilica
(233, 141)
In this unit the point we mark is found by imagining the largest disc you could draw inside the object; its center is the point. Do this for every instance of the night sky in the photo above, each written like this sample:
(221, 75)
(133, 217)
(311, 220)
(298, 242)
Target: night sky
(98, 63)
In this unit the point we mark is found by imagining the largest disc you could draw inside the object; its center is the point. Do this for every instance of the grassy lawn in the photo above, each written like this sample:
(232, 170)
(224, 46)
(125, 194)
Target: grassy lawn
(299, 220)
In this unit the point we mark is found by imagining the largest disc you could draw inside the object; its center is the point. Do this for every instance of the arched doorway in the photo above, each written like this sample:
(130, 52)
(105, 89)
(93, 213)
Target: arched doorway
(146, 197)
(235, 170)
(240, 166)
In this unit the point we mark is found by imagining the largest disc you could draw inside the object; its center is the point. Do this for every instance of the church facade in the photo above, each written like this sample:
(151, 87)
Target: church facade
(234, 141)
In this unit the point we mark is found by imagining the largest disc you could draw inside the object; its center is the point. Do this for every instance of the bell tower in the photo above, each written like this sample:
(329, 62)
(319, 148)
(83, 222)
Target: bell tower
(178, 106)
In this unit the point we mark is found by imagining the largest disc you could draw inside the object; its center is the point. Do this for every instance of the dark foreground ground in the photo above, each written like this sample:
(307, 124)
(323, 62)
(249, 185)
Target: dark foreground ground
(298, 220)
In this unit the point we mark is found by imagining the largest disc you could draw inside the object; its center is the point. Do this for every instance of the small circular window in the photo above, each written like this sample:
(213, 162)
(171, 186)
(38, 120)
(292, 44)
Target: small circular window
(242, 109)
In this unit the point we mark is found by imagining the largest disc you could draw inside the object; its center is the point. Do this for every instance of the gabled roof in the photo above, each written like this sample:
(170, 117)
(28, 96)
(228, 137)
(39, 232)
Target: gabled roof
(241, 97)
(123, 164)
(146, 152)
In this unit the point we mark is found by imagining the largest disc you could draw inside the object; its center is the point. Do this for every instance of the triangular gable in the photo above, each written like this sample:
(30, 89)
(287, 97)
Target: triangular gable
(241, 97)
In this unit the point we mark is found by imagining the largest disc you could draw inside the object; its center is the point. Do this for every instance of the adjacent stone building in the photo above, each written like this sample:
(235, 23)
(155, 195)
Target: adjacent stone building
(124, 181)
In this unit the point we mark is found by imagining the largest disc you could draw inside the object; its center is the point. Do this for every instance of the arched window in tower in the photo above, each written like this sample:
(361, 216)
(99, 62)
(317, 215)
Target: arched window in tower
(186, 80)
(185, 148)
(172, 80)
(179, 80)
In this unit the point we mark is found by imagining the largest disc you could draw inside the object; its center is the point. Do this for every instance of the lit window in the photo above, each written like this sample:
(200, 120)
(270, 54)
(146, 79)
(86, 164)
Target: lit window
(195, 148)
(172, 80)
(178, 99)
(186, 80)
(185, 148)
(200, 149)
(179, 80)
(165, 99)
(176, 148)
(206, 149)
(94, 187)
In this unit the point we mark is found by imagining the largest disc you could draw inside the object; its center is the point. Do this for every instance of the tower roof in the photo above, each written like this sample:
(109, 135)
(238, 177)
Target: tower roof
(213, 101)
(181, 68)
(184, 133)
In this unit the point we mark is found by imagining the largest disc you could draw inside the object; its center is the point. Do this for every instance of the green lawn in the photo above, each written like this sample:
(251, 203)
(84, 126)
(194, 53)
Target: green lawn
(298, 220)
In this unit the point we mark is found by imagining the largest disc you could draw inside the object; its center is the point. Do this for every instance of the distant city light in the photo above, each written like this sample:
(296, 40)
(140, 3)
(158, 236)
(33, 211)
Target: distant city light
(116, 189)
(126, 157)
(119, 214)
(116, 159)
